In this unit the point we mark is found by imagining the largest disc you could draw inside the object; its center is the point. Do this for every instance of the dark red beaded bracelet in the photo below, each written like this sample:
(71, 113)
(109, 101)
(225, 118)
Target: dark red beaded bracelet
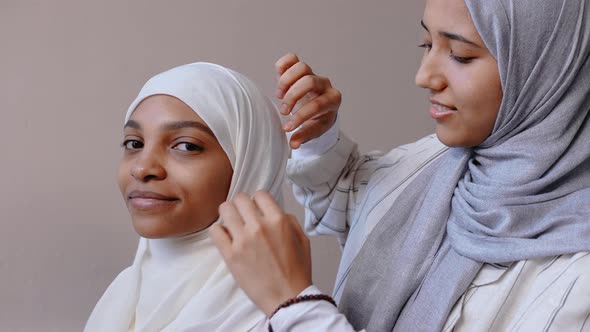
(302, 298)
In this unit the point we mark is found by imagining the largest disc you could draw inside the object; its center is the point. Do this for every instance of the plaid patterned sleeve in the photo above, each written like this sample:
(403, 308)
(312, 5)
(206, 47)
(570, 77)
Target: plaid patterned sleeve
(330, 186)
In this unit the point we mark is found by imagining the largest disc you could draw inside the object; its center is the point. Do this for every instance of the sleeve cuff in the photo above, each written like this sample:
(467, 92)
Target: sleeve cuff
(313, 171)
(319, 146)
(285, 318)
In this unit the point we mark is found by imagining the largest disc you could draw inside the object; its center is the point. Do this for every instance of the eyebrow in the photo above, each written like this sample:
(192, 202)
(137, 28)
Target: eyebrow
(175, 126)
(452, 36)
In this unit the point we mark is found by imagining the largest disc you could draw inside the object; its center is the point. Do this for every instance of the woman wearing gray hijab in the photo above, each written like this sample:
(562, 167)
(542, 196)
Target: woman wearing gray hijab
(483, 226)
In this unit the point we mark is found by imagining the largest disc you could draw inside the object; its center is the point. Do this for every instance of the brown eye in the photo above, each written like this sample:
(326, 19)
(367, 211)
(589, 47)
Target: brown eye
(189, 147)
(132, 144)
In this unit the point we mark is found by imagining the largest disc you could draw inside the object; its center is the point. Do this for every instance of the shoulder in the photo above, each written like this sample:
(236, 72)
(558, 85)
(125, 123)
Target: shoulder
(426, 143)
(416, 154)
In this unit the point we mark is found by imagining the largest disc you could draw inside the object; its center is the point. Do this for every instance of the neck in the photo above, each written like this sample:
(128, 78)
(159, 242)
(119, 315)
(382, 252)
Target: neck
(178, 249)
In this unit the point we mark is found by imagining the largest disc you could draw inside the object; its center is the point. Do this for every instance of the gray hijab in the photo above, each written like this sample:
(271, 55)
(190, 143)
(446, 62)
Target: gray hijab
(523, 193)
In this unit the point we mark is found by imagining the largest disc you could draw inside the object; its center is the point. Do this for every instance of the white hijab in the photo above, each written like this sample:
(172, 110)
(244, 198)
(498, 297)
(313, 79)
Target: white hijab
(182, 284)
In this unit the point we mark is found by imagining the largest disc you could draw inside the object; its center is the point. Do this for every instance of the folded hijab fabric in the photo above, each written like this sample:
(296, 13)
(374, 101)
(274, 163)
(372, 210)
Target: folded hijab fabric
(183, 284)
(523, 193)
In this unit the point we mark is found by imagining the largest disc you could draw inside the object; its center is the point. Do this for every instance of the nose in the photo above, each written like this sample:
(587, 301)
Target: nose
(148, 166)
(430, 74)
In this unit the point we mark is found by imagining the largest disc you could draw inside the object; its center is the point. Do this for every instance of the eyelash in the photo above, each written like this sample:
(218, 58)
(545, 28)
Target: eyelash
(126, 146)
(425, 45)
(463, 60)
(198, 148)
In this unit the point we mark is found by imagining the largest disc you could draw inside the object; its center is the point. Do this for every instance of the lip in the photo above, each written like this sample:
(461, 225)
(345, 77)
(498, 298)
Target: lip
(439, 111)
(148, 200)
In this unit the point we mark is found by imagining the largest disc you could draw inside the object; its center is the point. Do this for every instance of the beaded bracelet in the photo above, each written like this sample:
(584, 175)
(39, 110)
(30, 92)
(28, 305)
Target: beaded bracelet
(298, 299)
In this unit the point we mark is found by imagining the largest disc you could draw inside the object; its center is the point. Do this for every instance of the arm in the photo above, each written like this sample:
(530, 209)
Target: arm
(310, 316)
(331, 187)
(269, 256)
(327, 170)
(265, 248)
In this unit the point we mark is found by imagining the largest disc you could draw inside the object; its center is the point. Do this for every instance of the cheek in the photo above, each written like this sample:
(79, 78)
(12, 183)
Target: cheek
(489, 99)
(124, 175)
(206, 183)
(479, 98)
(223, 179)
(467, 90)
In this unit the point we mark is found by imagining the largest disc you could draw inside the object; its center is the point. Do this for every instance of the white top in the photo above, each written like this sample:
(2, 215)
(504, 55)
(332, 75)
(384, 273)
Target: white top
(547, 294)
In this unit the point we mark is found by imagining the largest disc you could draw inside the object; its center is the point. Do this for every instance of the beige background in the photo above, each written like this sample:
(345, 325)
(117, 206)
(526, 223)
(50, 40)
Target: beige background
(69, 69)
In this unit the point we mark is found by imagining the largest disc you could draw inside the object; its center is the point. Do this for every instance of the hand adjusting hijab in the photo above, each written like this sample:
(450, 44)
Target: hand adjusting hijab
(523, 193)
(183, 284)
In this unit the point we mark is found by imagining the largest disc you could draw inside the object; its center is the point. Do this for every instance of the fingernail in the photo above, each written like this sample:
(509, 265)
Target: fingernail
(279, 93)
(288, 126)
(284, 109)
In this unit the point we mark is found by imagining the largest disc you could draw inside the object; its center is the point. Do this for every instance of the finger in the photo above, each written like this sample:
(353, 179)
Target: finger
(285, 62)
(297, 229)
(306, 85)
(312, 129)
(231, 218)
(221, 238)
(250, 213)
(281, 66)
(268, 205)
(291, 76)
(316, 107)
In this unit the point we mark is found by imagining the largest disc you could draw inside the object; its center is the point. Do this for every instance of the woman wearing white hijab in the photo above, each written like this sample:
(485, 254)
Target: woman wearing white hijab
(488, 231)
(195, 136)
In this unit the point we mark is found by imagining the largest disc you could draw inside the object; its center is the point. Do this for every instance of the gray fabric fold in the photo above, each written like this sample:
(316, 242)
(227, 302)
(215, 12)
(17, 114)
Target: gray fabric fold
(523, 193)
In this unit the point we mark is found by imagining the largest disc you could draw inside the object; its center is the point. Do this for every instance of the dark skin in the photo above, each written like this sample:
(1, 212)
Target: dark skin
(174, 173)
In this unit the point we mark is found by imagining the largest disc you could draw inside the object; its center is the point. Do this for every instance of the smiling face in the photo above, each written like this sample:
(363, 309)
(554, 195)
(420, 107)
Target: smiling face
(174, 173)
(460, 73)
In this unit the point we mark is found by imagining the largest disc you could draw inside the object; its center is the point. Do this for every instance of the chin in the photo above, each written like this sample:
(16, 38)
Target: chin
(151, 234)
(453, 139)
(152, 228)
(159, 228)
(447, 138)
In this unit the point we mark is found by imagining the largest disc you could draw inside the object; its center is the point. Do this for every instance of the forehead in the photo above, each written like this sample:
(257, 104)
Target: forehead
(158, 109)
(448, 15)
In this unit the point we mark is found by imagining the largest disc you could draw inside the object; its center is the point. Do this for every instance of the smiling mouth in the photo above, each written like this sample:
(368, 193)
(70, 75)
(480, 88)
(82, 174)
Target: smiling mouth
(150, 195)
(147, 200)
(439, 111)
(443, 108)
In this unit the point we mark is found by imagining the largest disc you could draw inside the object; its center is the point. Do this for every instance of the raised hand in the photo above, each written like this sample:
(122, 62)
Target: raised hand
(318, 99)
(265, 249)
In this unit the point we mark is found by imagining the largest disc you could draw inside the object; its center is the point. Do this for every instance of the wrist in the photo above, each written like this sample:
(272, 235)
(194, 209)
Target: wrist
(298, 299)
(280, 297)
